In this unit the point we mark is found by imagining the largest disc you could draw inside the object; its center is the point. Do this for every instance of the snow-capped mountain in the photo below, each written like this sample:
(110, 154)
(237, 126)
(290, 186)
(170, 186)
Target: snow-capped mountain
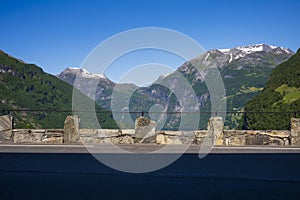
(242, 51)
(244, 70)
(87, 81)
(250, 52)
(80, 72)
(257, 48)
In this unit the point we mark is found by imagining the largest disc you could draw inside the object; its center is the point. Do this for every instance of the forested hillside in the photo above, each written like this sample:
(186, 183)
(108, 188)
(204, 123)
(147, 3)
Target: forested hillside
(280, 97)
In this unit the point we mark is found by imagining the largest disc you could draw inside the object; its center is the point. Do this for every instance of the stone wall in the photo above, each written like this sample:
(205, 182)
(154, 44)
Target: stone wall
(145, 133)
(260, 137)
(264, 137)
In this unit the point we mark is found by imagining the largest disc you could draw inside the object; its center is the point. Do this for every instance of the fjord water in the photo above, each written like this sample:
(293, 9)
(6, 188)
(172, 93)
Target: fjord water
(81, 176)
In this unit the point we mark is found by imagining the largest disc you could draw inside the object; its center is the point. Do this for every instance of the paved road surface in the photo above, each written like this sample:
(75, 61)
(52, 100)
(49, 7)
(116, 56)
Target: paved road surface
(69, 172)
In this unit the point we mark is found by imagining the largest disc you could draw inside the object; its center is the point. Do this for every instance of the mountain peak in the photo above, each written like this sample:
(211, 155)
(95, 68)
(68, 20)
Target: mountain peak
(82, 72)
(257, 48)
(254, 48)
(262, 47)
(231, 54)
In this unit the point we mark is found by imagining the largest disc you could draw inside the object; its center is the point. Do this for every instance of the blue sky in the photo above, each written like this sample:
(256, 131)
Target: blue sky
(60, 33)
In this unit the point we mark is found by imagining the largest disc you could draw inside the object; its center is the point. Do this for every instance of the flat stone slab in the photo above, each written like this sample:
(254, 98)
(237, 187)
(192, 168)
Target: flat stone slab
(272, 133)
(5, 122)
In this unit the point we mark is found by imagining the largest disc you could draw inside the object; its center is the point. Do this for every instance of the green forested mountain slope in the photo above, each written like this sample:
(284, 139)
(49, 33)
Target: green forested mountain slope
(27, 87)
(281, 94)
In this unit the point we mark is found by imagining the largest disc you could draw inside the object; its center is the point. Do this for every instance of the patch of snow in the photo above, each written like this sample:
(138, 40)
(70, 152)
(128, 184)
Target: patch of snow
(165, 75)
(239, 56)
(206, 56)
(283, 49)
(91, 75)
(224, 50)
(162, 76)
(261, 47)
(230, 58)
(101, 76)
(73, 68)
(251, 49)
(287, 50)
(85, 73)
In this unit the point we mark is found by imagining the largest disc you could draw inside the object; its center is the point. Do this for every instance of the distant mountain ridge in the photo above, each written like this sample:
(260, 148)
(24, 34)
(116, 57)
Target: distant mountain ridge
(257, 48)
(85, 80)
(78, 71)
(244, 70)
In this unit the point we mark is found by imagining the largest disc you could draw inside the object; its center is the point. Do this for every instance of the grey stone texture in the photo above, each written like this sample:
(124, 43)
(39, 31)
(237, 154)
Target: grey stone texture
(71, 129)
(295, 131)
(6, 126)
(215, 129)
(145, 130)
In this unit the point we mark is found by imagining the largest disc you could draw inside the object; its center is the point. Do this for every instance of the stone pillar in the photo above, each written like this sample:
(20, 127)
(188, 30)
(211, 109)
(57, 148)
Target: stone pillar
(71, 129)
(295, 131)
(6, 125)
(215, 129)
(144, 130)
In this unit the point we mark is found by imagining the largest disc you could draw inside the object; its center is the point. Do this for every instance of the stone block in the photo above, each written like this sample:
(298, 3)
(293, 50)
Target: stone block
(236, 141)
(52, 140)
(26, 136)
(144, 128)
(71, 129)
(172, 139)
(201, 134)
(122, 140)
(215, 128)
(54, 133)
(6, 129)
(128, 131)
(6, 136)
(160, 139)
(295, 131)
(6, 122)
(257, 139)
(90, 139)
(172, 133)
(84, 132)
(108, 133)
